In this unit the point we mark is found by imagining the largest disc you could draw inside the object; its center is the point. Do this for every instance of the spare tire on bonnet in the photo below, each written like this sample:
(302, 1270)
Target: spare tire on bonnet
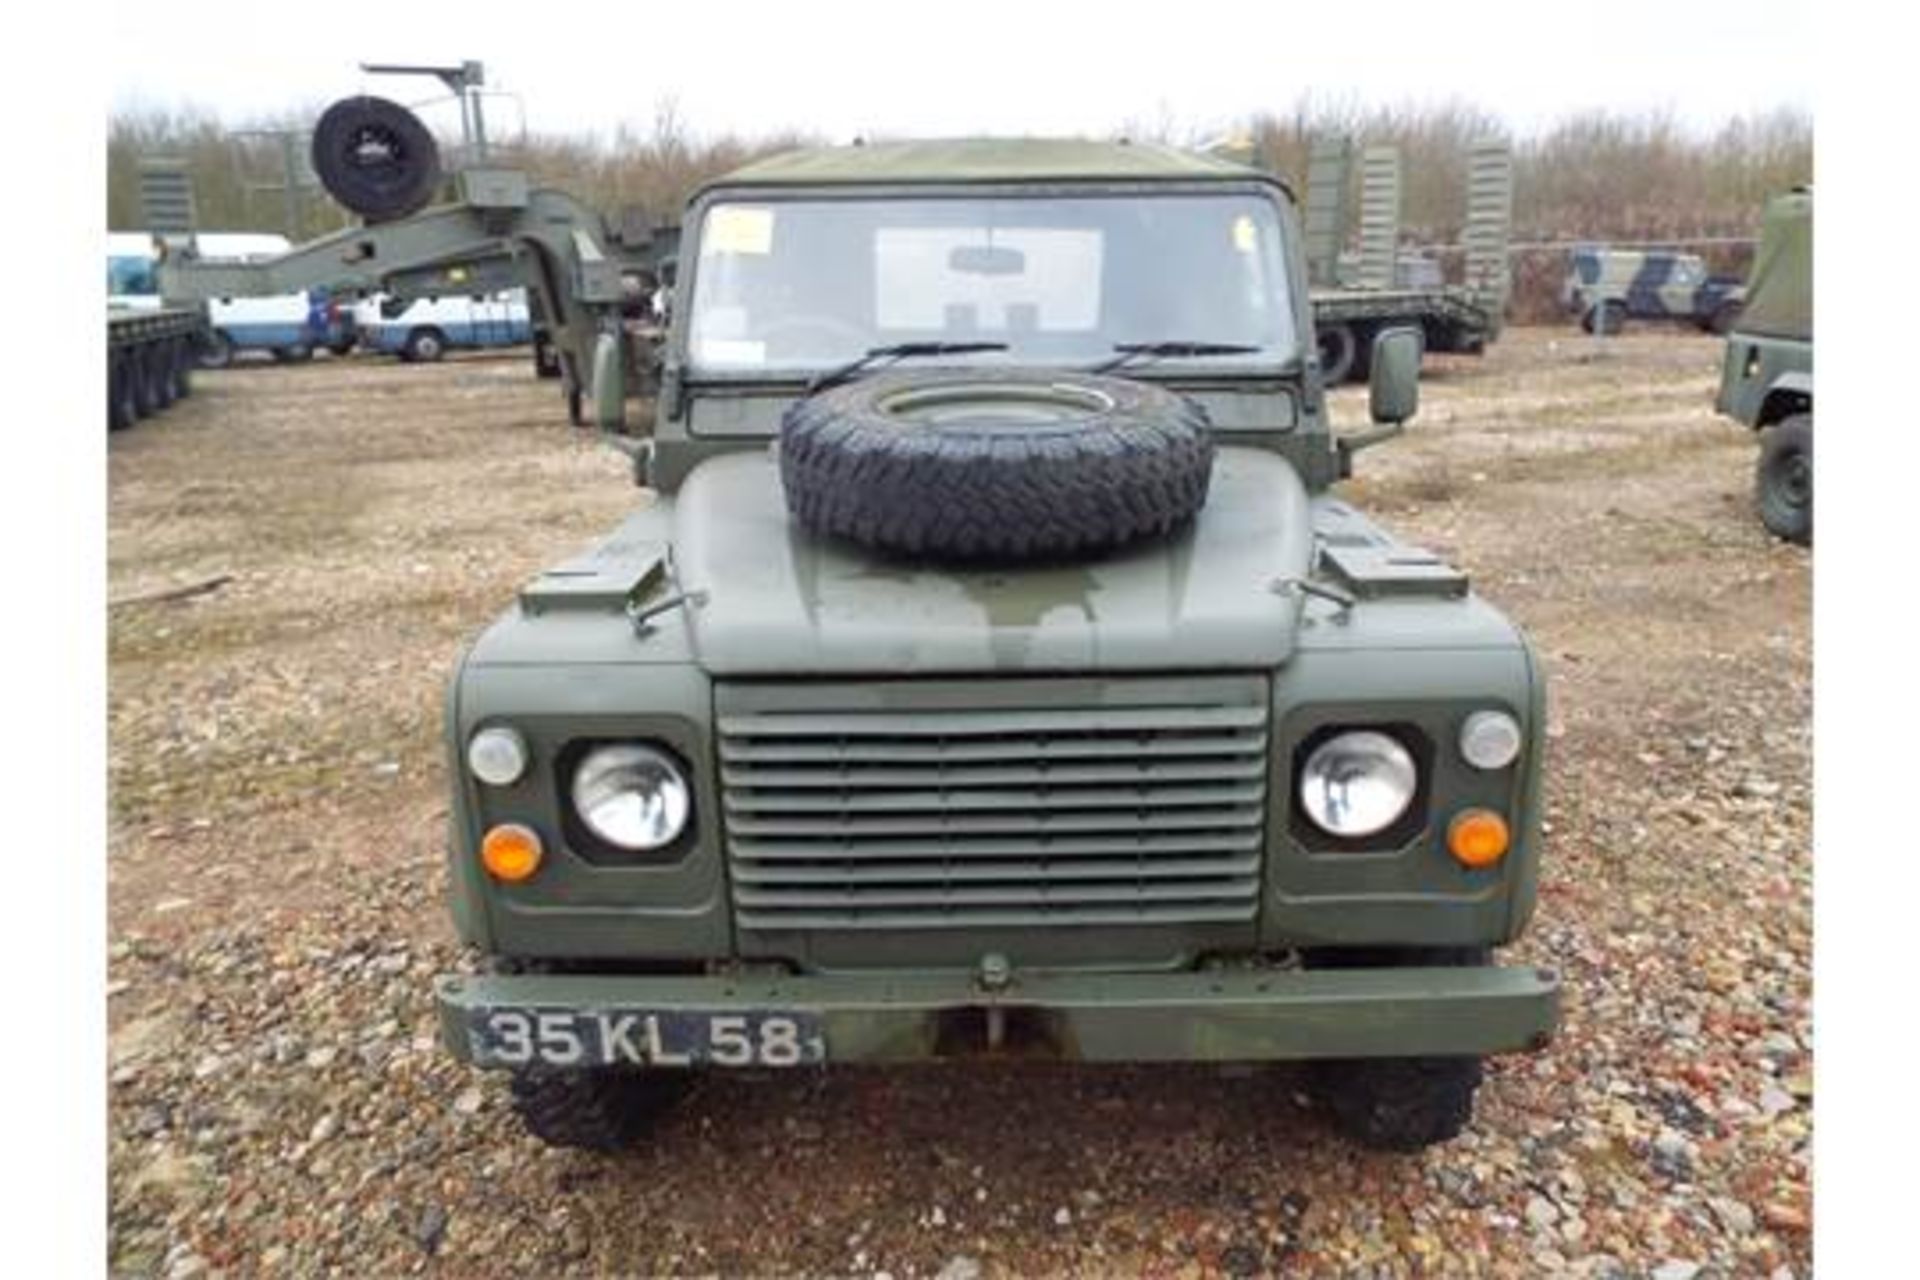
(1001, 465)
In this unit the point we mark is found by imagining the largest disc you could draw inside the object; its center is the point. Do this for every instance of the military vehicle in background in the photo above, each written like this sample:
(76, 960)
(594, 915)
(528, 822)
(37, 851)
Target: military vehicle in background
(151, 347)
(1766, 379)
(1607, 287)
(428, 235)
(1360, 294)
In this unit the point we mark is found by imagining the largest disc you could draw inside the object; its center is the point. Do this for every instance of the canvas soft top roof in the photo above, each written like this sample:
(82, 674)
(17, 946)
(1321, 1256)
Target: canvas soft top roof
(1780, 289)
(963, 160)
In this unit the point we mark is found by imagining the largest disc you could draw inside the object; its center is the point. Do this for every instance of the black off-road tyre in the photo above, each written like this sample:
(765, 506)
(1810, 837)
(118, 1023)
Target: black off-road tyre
(1724, 317)
(376, 158)
(601, 1110)
(1783, 479)
(1338, 348)
(1004, 466)
(1397, 1104)
(424, 346)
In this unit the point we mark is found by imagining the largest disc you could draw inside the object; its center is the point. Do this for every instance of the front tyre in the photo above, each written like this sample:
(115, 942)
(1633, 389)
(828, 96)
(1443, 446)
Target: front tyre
(1397, 1104)
(594, 1110)
(1783, 479)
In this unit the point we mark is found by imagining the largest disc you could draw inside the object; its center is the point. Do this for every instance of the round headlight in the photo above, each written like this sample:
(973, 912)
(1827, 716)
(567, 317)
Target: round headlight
(1490, 739)
(1358, 783)
(497, 756)
(632, 796)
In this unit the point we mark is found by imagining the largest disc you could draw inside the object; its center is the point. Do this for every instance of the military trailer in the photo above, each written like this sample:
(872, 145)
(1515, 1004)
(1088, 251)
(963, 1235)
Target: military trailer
(1356, 295)
(150, 357)
(1607, 287)
(995, 672)
(1766, 378)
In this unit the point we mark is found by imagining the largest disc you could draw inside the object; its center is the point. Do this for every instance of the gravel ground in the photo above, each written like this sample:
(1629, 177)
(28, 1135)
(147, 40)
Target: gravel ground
(278, 1104)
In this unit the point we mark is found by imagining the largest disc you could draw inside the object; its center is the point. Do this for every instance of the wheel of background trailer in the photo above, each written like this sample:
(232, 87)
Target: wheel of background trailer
(1607, 318)
(120, 407)
(1724, 317)
(1362, 367)
(599, 1110)
(140, 384)
(1008, 465)
(180, 360)
(341, 346)
(376, 158)
(1783, 479)
(1336, 352)
(146, 387)
(160, 369)
(298, 353)
(546, 361)
(217, 352)
(424, 345)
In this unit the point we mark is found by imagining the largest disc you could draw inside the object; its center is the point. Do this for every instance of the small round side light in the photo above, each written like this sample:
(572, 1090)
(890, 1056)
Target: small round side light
(1478, 838)
(497, 755)
(1490, 739)
(511, 852)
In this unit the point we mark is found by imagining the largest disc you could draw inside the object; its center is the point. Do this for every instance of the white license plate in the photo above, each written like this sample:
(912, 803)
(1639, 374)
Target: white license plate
(643, 1038)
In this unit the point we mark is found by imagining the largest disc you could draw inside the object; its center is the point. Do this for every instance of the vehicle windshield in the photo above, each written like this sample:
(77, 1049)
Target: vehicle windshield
(793, 286)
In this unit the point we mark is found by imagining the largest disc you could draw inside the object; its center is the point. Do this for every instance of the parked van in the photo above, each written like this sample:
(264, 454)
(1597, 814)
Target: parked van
(289, 326)
(429, 328)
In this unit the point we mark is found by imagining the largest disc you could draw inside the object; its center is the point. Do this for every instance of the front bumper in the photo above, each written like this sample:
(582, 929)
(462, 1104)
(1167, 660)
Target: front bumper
(1229, 1016)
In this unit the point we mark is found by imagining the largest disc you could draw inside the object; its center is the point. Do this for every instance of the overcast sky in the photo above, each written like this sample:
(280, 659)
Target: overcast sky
(943, 67)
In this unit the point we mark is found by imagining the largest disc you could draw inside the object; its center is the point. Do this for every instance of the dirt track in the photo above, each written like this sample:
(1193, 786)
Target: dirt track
(278, 1104)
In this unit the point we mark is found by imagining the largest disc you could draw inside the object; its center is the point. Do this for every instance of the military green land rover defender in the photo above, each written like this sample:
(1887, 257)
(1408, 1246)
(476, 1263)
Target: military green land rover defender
(995, 672)
(1766, 381)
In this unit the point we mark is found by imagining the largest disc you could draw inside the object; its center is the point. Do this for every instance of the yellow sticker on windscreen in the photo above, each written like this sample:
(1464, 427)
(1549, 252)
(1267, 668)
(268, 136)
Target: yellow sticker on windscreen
(733, 228)
(1243, 234)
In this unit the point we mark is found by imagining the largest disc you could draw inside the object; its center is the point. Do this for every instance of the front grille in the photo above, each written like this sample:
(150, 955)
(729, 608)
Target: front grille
(1121, 815)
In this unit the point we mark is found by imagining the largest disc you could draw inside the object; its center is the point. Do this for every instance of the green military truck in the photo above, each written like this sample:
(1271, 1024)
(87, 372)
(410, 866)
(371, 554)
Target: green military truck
(1766, 380)
(995, 671)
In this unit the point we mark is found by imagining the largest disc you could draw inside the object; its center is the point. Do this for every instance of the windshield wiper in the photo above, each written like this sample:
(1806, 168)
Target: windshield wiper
(898, 351)
(1132, 351)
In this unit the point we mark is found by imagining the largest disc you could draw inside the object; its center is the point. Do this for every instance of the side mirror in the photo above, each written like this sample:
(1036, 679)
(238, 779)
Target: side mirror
(1393, 392)
(1394, 388)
